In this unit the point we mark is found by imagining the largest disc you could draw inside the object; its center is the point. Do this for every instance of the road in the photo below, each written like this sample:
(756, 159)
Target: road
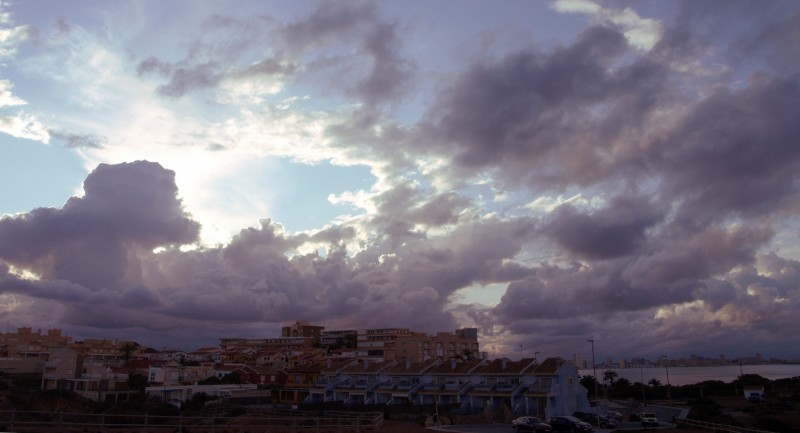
(506, 428)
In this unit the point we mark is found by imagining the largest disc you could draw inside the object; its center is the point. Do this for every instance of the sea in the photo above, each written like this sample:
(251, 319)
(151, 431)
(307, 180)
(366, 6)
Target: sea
(689, 375)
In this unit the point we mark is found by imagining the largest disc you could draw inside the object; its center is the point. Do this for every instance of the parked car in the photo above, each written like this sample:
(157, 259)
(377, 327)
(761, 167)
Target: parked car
(634, 417)
(596, 420)
(615, 415)
(570, 424)
(648, 419)
(530, 423)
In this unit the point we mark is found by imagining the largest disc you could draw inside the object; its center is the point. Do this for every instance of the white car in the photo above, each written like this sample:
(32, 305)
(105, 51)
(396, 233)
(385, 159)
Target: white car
(648, 419)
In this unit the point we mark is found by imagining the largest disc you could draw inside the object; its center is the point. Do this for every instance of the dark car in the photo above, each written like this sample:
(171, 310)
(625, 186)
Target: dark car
(570, 424)
(596, 420)
(530, 423)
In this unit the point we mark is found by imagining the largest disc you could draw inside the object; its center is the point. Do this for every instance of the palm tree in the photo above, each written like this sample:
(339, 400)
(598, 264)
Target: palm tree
(127, 350)
(655, 383)
(610, 376)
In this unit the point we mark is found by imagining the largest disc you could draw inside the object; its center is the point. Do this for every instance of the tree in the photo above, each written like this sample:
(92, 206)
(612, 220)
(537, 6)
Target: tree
(588, 382)
(127, 350)
(610, 376)
(655, 383)
(231, 378)
(137, 382)
(623, 388)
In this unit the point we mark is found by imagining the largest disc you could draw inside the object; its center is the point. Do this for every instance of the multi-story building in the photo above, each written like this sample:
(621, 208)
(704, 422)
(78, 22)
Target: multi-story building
(302, 328)
(339, 339)
(68, 370)
(101, 350)
(378, 344)
(28, 344)
(258, 344)
(402, 344)
(63, 363)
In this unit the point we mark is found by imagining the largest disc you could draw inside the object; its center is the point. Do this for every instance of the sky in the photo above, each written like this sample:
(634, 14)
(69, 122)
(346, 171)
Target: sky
(546, 171)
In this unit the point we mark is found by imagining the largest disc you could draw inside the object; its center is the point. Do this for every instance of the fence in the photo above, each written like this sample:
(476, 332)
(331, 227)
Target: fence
(716, 427)
(252, 421)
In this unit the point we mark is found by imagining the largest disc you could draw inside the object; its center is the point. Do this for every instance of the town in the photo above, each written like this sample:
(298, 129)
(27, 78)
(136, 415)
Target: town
(308, 364)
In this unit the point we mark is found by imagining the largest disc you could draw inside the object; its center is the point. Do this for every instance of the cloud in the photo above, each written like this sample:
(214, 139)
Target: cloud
(549, 119)
(648, 164)
(618, 229)
(642, 33)
(735, 151)
(72, 140)
(95, 240)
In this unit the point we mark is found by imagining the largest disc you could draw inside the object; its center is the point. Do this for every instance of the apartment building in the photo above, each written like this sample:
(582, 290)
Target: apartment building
(401, 344)
(378, 344)
(24, 343)
(101, 350)
(461, 343)
(68, 370)
(345, 338)
(259, 344)
(63, 363)
(302, 328)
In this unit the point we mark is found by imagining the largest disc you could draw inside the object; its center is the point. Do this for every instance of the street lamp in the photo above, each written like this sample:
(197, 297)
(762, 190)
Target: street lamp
(641, 372)
(594, 373)
(666, 368)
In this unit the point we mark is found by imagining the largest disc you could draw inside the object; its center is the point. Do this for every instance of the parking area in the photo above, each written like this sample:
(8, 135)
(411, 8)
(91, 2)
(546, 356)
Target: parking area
(506, 428)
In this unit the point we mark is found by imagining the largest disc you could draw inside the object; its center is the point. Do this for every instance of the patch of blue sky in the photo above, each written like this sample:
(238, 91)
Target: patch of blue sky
(301, 200)
(37, 175)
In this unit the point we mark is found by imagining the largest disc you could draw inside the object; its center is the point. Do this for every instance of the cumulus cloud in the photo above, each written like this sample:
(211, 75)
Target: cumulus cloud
(94, 240)
(648, 166)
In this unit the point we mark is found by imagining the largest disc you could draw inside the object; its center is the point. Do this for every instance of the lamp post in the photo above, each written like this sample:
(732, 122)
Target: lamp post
(436, 394)
(666, 368)
(641, 373)
(594, 373)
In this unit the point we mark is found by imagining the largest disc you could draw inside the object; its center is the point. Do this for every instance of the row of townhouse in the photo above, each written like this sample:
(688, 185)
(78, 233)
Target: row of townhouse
(546, 389)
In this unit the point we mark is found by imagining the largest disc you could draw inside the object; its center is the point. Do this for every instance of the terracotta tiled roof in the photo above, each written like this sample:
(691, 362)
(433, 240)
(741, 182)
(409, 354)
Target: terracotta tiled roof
(506, 366)
(549, 366)
(409, 367)
(333, 365)
(455, 367)
(361, 366)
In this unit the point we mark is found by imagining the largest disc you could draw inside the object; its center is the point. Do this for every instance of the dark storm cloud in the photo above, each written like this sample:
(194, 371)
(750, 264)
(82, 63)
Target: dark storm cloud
(549, 118)
(703, 29)
(736, 151)
(97, 253)
(94, 240)
(382, 74)
(618, 229)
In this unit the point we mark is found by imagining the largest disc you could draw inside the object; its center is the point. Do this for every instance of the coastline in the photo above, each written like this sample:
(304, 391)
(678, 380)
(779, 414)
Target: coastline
(678, 376)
